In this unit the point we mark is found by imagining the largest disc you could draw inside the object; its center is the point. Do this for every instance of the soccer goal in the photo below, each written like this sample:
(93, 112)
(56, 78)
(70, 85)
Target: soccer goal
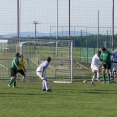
(37, 50)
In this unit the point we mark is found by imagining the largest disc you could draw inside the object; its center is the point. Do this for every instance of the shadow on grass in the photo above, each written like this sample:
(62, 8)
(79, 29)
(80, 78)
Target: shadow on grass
(20, 94)
(99, 91)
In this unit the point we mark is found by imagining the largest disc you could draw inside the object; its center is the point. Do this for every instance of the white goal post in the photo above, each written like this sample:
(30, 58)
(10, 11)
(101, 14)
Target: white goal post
(37, 50)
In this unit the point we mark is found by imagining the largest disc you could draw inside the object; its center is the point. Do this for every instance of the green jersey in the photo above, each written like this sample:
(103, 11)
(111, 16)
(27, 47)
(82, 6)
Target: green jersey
(16, 60)
(106, 57)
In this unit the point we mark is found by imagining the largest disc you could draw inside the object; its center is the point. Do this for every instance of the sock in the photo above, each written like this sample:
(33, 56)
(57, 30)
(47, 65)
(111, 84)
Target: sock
(14, 83)
(104, 77)
(46, 85)
(109, 78)
(93, 78)
(23, 79)
(111, 74)
(98, 75)
(43, 85)
(11, 81)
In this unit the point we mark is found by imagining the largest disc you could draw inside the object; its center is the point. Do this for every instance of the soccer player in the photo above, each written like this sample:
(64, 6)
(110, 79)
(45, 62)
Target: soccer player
(21, 67)
(95, 67)
(14, 70)
(41, 72)
(106, 61)
(113, 65)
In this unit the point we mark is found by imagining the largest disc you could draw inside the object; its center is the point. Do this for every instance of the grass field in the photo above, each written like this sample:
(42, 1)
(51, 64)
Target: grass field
(65, 100)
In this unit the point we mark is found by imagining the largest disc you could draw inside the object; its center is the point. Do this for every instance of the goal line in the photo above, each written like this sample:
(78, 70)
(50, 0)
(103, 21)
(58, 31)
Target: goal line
(62, 82)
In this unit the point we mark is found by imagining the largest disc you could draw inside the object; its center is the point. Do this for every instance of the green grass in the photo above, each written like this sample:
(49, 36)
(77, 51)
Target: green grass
(66, 100)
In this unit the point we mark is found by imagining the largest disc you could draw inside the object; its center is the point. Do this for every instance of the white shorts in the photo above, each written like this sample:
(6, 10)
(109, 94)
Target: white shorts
(94, 68)
(113, 66)
(40, 75)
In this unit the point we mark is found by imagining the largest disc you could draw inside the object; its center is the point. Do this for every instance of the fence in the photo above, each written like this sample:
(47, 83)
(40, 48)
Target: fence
(90, 26)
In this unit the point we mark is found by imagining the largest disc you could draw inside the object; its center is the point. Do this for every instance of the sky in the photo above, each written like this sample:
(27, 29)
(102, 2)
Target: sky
(84, 13)
(115, 9)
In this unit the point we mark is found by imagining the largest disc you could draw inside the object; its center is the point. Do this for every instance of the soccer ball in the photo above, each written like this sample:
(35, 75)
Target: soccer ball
(85, 81)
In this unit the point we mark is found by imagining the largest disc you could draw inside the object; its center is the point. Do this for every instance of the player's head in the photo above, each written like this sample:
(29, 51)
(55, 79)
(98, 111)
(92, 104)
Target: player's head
(49, 59)
(99, 52)
(21, 56)
(17, 54)
(103, 49)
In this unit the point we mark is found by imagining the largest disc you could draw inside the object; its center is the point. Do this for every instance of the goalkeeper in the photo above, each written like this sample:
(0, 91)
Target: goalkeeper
(21, 68)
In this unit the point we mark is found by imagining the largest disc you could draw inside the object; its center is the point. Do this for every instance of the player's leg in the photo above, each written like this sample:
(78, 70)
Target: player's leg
(98, 75)
(93, 77)
(23, 74)
(111, 71)
(108, 72)
(12, 77)
(95, 69)
(43, 81)
(114, 70)
(43, 86)
(14, 82)
(98, 72)
(15, 73)
(103, 73)
(109, 81)
(11, 81)
(46, 83)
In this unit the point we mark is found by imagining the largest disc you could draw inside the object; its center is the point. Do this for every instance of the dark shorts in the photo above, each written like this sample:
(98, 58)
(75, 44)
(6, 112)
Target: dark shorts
(21, 72)
(107, 66)
(13, 72)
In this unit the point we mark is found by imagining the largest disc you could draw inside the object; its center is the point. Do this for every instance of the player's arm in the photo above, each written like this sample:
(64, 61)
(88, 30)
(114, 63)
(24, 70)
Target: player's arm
(100, 58)
(43, 70)
(114, 57)
(24, 67)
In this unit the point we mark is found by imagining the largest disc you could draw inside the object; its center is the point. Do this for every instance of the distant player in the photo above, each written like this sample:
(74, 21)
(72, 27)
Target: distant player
(21, 67)
(41, 72)
(95, 67)
(14, 70)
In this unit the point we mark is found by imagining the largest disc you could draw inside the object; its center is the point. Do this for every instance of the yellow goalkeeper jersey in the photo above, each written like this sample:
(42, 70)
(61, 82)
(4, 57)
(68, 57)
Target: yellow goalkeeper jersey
(21, 64)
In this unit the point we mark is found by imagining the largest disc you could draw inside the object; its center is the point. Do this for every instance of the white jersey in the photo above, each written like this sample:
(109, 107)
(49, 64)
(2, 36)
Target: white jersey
(95, 60)
(114, 53)
(43, 64)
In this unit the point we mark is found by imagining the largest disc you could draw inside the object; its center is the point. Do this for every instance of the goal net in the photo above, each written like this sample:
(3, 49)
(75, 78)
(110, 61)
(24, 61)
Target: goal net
(37, 50)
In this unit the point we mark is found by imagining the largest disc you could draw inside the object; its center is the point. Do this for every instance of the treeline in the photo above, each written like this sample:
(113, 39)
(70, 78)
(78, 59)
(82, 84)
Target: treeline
(80, 41)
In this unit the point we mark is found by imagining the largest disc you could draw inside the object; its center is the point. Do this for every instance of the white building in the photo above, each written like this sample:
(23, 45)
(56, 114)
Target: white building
(4, 45)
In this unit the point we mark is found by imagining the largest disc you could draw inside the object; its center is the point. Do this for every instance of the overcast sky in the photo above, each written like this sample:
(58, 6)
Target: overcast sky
(84, 13)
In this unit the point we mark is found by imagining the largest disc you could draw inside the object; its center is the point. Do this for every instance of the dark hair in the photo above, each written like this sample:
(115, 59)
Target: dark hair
(99, 52)
(103, 48)
(21, 55)
(17, 54)
(49, 59)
